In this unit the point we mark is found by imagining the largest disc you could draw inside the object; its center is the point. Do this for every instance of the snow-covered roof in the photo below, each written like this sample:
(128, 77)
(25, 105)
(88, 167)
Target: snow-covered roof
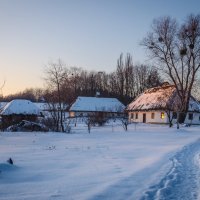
(20, 106)
(162, 97)
(42, 106)
(2, 104)
(98, 104)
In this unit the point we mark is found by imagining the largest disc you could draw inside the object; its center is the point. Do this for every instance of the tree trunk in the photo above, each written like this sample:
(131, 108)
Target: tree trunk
(182, 117)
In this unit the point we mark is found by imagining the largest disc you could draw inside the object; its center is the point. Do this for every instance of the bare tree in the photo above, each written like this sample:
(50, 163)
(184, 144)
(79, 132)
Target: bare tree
(89, 120)
(1, 89)
(176, 50)
(120, 75)
(124, 121)
(75, 73)
(128, 74)
(172, 109)
(55, 77)
(32, 94)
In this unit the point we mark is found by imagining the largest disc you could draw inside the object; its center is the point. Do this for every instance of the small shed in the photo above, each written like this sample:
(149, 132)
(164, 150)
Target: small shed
(18, 110)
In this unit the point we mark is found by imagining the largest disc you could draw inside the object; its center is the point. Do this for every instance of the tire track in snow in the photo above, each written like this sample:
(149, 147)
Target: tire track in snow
(182, 182)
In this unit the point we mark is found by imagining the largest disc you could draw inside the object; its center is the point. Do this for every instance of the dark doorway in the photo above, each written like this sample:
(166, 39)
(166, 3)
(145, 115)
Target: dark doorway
(144, 117)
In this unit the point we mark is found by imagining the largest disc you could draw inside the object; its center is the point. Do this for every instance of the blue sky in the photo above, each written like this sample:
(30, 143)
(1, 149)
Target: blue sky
(85, 33)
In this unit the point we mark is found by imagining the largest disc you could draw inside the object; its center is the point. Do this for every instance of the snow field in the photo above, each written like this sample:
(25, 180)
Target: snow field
(105, 164)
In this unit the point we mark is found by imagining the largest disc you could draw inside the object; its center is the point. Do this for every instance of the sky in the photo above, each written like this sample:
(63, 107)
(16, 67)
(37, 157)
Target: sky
(85, 33)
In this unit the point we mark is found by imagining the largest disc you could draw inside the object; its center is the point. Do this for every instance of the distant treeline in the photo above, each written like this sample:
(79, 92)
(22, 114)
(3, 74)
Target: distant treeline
(125, 83)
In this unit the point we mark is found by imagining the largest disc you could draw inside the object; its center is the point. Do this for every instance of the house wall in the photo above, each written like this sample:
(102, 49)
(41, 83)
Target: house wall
(195, 120)
(85, 114)
(78, 114)
(157, 117)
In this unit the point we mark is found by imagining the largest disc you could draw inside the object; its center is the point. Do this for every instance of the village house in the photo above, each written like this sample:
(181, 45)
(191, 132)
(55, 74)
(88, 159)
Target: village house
(161, 105)
(18, 110)
(102, 107)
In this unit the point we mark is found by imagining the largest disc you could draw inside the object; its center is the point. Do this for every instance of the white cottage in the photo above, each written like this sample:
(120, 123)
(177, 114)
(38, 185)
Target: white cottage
(101, 106)
(158, 105)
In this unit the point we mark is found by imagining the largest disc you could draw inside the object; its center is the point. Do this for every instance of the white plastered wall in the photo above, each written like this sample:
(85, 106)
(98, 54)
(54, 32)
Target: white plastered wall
(157, 117)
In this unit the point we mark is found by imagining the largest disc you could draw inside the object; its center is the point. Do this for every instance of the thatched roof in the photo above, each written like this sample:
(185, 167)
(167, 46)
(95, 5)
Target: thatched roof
(160, 98)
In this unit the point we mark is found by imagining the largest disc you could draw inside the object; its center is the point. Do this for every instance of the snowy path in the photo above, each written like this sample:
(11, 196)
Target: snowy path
(182, 182)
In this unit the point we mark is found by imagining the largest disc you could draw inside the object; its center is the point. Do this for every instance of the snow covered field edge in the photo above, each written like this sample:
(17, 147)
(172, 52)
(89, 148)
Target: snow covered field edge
(109, 163)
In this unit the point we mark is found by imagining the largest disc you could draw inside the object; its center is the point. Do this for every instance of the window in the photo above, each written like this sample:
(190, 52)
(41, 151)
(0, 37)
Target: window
(132, 115)
(174, 115)
(72, 114)
(136, 115)
(152, 115)
(162, 115)
(199, 118)
(190, 116)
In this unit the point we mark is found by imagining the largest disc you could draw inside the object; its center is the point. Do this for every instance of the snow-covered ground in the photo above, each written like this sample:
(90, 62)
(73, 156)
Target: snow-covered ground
(149, 162)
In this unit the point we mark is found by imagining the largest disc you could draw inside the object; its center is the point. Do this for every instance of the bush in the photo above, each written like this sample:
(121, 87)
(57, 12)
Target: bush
(27, 126)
